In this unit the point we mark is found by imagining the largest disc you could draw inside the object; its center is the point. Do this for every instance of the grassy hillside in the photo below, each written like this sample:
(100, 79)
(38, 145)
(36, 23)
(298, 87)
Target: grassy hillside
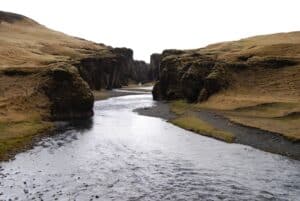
(25, 43)
(37, 80)
(253, 81)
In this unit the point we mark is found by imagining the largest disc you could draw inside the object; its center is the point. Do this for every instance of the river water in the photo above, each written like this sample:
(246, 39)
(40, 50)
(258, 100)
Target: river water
(120, 155)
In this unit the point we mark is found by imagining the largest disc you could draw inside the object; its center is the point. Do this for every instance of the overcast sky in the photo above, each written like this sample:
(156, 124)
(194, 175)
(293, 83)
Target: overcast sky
(149, 26)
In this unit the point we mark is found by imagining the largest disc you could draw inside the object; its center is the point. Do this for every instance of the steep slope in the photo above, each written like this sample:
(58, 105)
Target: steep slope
(47, 75)
(254, 81)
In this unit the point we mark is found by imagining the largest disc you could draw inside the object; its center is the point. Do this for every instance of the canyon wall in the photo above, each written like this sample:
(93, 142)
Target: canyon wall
(154, 65)
(196, 75)
(114, 69)
(48, 75)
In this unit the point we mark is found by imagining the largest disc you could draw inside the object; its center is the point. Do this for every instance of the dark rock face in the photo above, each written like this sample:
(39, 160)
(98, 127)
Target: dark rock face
(140, 72)
(113, 69)
(10, 17)
(154, 66)
(195, 75)
(101, 72)
(69, 96)
(13, 17)
(189, 75)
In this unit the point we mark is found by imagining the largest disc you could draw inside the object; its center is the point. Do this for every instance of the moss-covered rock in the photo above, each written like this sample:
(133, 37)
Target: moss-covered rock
(69, 95)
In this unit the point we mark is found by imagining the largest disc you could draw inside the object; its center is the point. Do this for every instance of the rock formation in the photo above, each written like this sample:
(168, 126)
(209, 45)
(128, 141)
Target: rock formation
(56, 93)
(154, 65)
(47, 75)
(113, 70)
(25, 44)
(195, 75)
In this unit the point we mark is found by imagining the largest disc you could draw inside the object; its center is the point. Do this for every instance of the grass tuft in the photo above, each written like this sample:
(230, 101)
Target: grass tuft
(197, 125)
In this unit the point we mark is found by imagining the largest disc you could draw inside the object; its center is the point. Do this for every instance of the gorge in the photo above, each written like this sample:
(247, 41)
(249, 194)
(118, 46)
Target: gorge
(81, 120)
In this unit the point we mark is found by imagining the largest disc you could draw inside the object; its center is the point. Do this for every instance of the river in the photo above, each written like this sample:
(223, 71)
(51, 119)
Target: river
(120, 155)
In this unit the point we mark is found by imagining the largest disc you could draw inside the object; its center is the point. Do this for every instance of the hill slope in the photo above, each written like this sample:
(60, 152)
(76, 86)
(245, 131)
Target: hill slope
(253, 81)
(47, 75)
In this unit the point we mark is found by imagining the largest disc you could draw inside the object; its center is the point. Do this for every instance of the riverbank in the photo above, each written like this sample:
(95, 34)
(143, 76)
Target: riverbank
(121, 155)
(22, 126)
(215, 124)
(132, 89)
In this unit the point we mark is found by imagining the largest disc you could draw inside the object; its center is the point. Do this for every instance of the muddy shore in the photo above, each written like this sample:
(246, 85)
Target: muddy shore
(260, 139)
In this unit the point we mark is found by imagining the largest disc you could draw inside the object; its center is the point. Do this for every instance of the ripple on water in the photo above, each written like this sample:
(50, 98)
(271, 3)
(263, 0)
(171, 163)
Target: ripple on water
(120, 155)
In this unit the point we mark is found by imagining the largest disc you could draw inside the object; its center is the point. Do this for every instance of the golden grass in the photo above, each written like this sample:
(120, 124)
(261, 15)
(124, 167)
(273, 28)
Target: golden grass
(33, 45)
(179, 107)
(197, 125)
(279, 117)
(260, 112)
(288, 128)
(190, 122)
(279, 44)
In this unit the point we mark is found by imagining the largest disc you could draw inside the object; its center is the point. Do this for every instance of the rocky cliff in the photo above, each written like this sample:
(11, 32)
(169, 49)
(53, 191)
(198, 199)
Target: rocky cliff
(56, 93)
(47, 75)
(253, 81)
(154, 65)
(195, 75)
(27, 46)
(114, 69)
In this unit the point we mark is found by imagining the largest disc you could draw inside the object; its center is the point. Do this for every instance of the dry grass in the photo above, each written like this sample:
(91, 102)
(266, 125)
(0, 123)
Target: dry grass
(280, 44)
(277, 117)
(29, 44)
(262, 98)
(195, 124)
(261, 112)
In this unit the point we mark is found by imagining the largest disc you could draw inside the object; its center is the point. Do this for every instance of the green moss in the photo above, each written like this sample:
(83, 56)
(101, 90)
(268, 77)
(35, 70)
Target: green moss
(15, 136)
(197, 125)
(179, 107)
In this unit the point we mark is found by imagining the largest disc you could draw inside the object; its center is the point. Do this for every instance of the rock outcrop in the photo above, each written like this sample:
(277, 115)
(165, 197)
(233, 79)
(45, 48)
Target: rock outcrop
(25, 44)
(56, 93)
(195, 75)
(154, 65)
(113, 69)
(69, 96)
(189, 75)
(47, 76)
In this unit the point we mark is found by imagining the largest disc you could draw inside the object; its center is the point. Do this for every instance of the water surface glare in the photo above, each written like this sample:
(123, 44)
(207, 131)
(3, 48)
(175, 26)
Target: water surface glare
(120, 155)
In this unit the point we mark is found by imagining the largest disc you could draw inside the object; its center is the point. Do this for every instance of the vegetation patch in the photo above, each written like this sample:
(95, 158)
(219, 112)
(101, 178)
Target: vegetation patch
(179, 107)
(16, 136)
(197, 125)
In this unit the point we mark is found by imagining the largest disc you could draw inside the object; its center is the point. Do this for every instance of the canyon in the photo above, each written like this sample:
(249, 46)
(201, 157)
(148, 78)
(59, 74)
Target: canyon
(253, 81)
(81, 120)
(47, 76)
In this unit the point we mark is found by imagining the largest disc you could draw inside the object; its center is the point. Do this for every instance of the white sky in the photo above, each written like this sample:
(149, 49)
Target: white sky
(149, 26)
